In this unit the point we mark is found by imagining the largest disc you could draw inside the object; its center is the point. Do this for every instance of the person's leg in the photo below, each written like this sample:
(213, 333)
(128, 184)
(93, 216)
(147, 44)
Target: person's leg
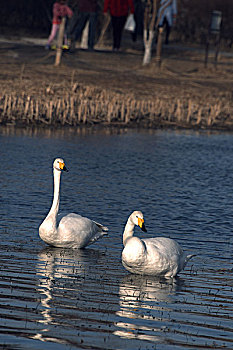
(65, 41)
(92, 28)
(82, 20)
(53, 33)
(135, 32)
(139, 20)
(167, 30)
(114, 31)
(72, 24)
(120, 26)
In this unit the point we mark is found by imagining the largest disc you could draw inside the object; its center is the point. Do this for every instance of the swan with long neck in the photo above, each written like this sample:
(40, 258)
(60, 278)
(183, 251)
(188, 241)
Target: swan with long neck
(157, 256)
(72, 230)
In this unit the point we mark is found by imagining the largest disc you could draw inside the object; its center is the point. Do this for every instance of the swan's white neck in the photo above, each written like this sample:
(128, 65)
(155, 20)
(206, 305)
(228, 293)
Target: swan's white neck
(48, 229)
(128, 231)
(56, 198)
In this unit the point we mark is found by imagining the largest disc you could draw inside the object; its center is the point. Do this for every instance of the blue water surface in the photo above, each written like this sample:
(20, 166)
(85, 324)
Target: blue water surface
(84, 299)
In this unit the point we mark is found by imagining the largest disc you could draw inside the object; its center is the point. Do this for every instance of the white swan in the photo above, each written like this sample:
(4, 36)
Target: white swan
(72, 230)
(158, 256)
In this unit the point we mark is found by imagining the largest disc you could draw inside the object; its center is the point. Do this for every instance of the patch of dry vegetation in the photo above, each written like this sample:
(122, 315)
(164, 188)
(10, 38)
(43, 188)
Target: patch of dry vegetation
(114, 89)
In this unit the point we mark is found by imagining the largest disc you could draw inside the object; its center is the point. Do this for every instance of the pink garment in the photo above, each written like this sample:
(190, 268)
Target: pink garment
(59, 11)
(54, 30)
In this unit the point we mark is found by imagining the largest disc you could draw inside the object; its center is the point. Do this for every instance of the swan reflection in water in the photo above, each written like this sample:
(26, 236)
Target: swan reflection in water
(138, 307)
(144, 306)
(61, 275)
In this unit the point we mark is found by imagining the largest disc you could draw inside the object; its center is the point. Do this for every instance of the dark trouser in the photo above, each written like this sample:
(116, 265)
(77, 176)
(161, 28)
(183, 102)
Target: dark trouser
(139, 19)
(77, 24)
(117, 29)
(167, 30)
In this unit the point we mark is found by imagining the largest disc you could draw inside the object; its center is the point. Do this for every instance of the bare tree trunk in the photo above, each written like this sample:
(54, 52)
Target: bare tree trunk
(107, 21)
(60, 41)
(149, 29)
(147, 46)
(159, 46)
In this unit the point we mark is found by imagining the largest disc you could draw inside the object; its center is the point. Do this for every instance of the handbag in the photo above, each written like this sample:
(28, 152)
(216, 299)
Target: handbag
(130, 23)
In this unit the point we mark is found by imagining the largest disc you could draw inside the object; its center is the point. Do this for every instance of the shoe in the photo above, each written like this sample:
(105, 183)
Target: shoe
(65, 47)
(47, 47)
(71, 44)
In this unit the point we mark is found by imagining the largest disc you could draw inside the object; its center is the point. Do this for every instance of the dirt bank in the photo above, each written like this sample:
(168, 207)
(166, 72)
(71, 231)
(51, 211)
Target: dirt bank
(103, 87)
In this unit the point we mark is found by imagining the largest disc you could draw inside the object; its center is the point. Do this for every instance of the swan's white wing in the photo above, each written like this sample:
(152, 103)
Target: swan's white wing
(78, 231)
(60, 216)
(167, 254)
(73, 215)
(165, 246)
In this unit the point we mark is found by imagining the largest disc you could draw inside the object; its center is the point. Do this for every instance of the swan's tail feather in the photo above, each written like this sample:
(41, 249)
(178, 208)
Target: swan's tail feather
(100, 232)
(188, 257)
(104, 229)
(97, 237)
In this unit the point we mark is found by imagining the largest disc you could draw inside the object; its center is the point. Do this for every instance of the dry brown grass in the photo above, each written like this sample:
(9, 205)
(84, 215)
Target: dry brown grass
(108, 89)
(91, 106)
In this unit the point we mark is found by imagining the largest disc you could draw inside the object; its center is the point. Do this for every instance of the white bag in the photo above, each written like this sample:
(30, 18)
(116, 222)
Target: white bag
(130, 23)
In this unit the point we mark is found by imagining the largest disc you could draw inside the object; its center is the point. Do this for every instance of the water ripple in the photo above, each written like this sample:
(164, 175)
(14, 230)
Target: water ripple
(58, 298)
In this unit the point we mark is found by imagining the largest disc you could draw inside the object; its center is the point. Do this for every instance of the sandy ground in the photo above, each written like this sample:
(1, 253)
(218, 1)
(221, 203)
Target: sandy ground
(26, 67)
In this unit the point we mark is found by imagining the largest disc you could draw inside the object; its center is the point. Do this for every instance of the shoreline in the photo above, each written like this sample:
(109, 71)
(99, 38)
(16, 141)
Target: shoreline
(108, 89)
(89, 107)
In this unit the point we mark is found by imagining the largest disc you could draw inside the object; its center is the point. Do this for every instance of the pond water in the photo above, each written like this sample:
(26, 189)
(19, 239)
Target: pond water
(84, 299)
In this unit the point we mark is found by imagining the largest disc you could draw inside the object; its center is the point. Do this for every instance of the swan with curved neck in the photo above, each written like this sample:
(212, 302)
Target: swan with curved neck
(157, 256)
(72, 230)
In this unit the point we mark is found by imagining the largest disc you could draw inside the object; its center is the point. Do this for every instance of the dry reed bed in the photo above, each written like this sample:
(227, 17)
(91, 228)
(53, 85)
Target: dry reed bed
(89, 105)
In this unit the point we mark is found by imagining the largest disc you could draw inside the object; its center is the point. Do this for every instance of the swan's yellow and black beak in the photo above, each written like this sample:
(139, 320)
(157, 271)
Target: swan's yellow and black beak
(142, 225)
(62, 166)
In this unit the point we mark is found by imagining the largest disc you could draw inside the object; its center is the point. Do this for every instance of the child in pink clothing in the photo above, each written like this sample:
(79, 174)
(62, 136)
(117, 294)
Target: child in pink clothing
(60, 9)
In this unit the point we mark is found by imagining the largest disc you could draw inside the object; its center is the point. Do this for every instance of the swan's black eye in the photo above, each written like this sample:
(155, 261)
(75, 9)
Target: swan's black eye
(136, 216)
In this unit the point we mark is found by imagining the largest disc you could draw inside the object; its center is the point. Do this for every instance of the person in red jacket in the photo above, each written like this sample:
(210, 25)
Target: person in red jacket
(119, 11)
(60, 9)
